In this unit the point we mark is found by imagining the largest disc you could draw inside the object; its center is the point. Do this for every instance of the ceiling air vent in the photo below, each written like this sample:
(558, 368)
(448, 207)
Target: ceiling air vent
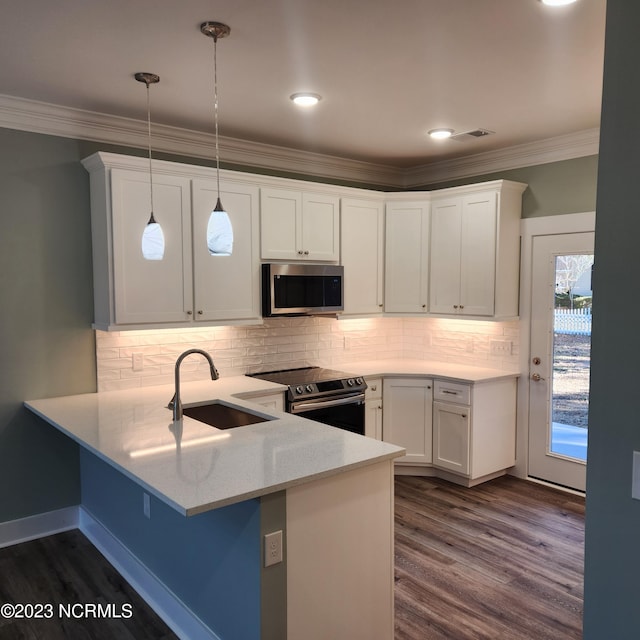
(469, 135)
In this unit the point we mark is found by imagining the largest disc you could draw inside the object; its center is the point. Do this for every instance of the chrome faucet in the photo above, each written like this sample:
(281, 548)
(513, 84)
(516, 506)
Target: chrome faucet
(175, 402)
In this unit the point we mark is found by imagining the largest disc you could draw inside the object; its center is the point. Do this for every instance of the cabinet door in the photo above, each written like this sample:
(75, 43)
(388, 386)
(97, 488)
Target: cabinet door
(444, 270)
(320, 227)
(373, 409)
(280, 224)
(406, 258)
(226, 287)
(478, 253)
(407, 417)
(150, 291)
(451, 432)
(362, 241)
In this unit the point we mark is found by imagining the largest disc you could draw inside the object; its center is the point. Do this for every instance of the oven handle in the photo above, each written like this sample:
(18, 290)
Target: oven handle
(299, 407)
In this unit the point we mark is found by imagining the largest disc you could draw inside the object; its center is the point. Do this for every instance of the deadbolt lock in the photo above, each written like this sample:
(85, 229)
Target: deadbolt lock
(536, 361)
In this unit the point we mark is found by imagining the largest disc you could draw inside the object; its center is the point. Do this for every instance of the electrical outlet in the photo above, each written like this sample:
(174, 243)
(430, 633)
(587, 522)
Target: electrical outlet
(137, 361)
(500, 347)
(146, 505)
(273, 548)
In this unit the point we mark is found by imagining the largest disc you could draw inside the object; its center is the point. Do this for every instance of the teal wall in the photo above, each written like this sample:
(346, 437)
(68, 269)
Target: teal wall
(210, 561)
(612, 565)
(46, 343)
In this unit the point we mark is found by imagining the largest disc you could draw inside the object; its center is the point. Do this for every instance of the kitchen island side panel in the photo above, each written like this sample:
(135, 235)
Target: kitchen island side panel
(210, 561)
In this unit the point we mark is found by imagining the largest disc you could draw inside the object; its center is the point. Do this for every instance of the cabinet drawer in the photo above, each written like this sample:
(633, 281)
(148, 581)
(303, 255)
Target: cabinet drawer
(452, 392)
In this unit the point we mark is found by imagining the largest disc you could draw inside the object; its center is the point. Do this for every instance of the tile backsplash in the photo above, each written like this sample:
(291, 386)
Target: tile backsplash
(295, 342)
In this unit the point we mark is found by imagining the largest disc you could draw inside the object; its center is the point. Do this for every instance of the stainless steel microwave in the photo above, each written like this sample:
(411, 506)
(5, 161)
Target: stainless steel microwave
(302, 289)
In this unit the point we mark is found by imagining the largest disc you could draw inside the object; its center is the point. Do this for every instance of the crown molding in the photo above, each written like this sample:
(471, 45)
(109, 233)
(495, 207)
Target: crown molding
(40, 117)
(565, 147)
(67, 122)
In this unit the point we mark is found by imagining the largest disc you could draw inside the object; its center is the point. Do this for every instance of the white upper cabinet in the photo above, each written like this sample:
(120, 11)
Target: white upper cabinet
(226, 287)
(406, 257)
(146, 291)
(297, 225)
(475, 250)
(362, 250)
(188, 285)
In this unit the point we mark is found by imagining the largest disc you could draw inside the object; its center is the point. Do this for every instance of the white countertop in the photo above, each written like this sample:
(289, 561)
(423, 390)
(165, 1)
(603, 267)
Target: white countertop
(427, 368)
(133, 431)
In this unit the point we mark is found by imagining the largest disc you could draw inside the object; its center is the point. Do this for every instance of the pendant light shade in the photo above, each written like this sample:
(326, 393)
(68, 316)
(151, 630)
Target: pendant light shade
(219, 227)
(152, 243)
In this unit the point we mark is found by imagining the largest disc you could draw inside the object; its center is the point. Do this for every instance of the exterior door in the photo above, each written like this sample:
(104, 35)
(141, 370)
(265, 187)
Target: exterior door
(560, 357)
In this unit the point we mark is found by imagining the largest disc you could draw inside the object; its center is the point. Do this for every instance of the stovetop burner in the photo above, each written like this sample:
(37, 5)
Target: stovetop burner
(307, 382)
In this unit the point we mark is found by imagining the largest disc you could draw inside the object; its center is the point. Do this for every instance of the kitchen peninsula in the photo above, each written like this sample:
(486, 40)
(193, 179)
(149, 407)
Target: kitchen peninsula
(183, 512)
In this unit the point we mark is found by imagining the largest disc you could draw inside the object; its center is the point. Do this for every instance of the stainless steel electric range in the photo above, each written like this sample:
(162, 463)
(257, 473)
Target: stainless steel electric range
(332, 397)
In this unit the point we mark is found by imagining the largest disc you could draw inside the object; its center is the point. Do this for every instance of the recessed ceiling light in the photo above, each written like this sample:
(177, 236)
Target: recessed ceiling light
(306, 99)
(440, 134)
(557, 3)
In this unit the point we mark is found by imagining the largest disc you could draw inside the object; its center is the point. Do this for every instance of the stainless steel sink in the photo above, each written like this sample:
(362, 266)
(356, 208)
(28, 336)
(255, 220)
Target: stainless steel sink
(223, 416)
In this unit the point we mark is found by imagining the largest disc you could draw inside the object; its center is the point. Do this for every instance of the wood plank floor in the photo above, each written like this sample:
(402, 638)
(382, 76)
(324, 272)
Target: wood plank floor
(501, 561)
(67, 569)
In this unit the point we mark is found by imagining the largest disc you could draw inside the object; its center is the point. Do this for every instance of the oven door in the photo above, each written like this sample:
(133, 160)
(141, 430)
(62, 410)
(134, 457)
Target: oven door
(344, 412)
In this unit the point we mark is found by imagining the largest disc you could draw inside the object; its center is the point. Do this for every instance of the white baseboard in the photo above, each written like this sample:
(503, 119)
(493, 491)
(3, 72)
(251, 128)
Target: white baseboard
(38, 526)
(182, 621)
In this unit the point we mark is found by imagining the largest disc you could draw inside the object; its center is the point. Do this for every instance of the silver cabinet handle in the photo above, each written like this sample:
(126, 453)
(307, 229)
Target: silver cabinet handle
(451, 393)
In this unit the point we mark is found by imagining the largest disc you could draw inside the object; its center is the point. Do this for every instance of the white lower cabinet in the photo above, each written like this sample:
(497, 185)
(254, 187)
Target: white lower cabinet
(474, 434)
(451, 432)
(463, 432)
(407, 417)
(373, 409)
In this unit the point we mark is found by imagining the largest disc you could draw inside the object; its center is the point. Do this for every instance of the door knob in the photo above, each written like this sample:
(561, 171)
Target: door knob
(536, 377)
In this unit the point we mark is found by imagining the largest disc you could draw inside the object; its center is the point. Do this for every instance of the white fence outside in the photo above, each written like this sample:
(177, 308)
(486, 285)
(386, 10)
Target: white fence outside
(572, 321)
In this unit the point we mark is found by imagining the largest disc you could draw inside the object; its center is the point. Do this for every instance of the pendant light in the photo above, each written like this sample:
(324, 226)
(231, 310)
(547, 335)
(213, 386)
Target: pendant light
(219, 228)
(152, 237)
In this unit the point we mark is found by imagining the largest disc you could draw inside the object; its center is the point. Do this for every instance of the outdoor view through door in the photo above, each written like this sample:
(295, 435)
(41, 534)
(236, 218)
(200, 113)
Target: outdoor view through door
(560, 357)
(571, 355)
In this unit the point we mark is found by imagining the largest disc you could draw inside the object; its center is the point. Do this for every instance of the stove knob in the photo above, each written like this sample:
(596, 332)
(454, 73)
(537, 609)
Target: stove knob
(359, 381)
(299, 389)
(309, 388)
(351, 382)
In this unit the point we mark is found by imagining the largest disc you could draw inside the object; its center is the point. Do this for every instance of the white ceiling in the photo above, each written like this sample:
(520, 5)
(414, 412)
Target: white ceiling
(388, 71)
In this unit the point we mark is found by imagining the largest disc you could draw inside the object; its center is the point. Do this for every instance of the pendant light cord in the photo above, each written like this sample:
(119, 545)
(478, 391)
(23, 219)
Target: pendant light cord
(151, 219)
(215, 113)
